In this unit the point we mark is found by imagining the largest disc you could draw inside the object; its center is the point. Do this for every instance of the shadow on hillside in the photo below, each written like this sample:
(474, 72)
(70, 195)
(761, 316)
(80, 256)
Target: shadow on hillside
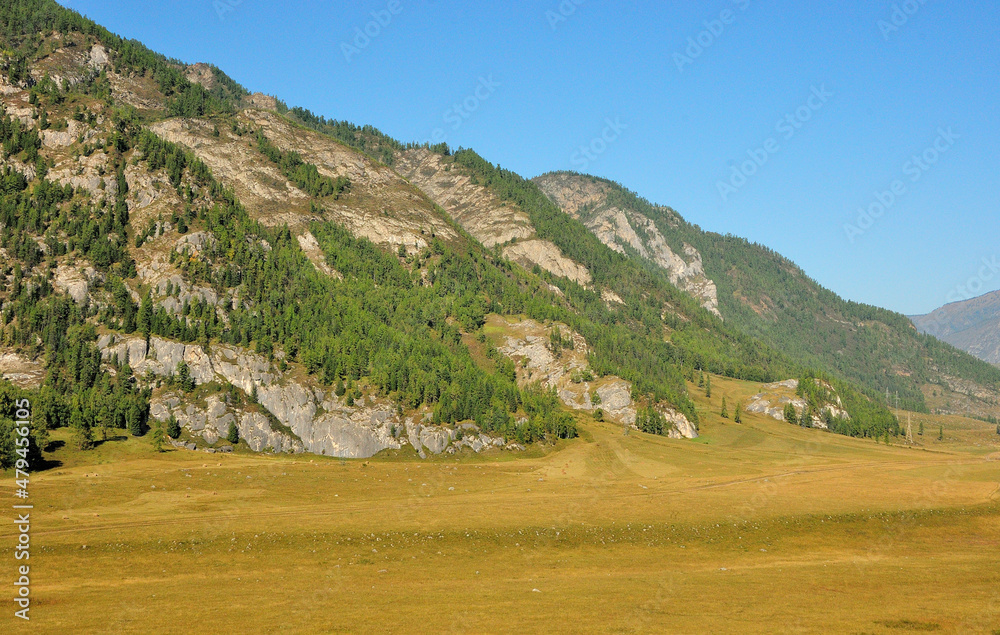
(118, 437)
(48, 464)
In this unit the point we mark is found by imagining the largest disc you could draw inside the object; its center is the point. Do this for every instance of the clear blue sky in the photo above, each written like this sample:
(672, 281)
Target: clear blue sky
(888, 85)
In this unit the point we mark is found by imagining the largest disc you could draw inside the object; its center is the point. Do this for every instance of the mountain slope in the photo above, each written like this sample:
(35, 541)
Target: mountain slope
(221, 265)
(769, 297)
(971, 325)
(182, 250)
(628, 232)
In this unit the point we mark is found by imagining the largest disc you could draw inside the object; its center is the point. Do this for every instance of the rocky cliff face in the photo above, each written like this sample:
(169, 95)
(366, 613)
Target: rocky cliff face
(379, 205)
(488, 219)
(566, 370)
(303, 415)
(771, 401)
(585, 198)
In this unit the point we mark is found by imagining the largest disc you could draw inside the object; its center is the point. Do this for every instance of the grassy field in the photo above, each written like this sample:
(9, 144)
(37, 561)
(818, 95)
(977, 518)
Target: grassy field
(757, 527)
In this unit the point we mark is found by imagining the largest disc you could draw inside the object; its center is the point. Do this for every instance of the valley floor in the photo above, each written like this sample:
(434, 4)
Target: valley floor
(758, 527)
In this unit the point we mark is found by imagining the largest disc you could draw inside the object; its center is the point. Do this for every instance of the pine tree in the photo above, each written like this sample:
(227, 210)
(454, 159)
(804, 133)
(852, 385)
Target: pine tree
(133, 421)
(725, 412)
(708, 386)
(157, 438)
(145, 322)
(233, 435)
(940, 433)
(173, 427)
(701, 379)
(84, 437)
(737, 417)
(790, 415)
(184, 377)
(920, 429)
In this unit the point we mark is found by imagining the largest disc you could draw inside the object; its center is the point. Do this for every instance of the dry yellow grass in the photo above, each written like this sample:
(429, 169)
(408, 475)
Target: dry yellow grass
(759, 527)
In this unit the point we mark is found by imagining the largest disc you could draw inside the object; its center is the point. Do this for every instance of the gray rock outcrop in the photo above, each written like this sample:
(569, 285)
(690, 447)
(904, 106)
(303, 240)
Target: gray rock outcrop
(311, 419)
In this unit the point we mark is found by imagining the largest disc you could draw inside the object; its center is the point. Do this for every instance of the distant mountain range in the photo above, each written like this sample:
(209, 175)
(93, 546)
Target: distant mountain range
(971, 325)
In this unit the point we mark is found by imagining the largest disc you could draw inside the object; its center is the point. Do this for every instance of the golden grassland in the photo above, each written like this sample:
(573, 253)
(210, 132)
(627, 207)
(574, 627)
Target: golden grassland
(756, 527)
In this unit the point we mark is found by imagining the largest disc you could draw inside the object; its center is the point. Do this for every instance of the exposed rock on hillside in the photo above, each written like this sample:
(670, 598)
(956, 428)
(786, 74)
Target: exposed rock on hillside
(259, 184)
(567, 371)
(585, 198)
(379, 205)
(306, 417)
(86, 172)
(201, 73)
(211, 421)
(76, 281)
(773, 399)
(150, 195)
(261, 101)
(310, 247)
(20, 370)
(476, 209)
(488, 219)
(547, 256)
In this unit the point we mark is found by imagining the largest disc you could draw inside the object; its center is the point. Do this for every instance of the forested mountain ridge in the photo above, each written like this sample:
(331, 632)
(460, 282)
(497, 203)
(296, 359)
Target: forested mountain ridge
(186, 257)
(768, 296)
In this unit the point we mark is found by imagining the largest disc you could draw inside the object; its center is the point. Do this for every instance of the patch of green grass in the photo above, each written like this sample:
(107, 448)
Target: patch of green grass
(910, 625)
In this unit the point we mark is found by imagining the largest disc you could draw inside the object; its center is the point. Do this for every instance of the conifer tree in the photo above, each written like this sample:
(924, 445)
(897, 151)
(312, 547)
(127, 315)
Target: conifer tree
(133, 421)
(184, 377)
(145, 322)
(725, 412)
(157, 438)
(173, 427)
(233, 435)
(790, 415)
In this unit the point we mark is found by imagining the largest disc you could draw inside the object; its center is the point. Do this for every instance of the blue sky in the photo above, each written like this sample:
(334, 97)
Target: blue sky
(893, 109)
